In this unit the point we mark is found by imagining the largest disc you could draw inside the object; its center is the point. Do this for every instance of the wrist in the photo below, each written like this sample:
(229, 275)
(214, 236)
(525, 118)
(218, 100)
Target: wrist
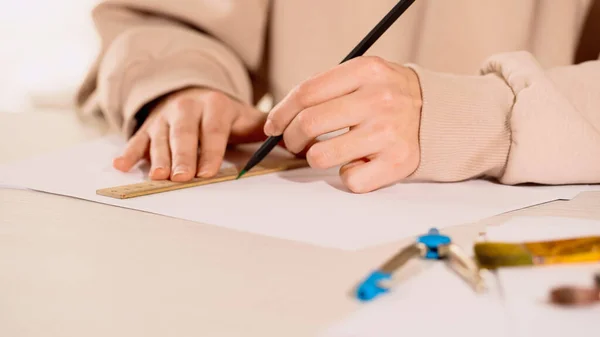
(414, 88)
(463, 132)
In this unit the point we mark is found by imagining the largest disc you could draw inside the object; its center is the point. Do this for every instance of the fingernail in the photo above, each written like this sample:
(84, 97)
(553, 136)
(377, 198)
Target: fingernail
(156, 171)
(269, 128)
(205, 171)
(180, 169)
(119, 162)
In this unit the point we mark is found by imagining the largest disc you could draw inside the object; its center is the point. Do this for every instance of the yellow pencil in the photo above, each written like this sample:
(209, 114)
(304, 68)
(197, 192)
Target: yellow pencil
(492, 255)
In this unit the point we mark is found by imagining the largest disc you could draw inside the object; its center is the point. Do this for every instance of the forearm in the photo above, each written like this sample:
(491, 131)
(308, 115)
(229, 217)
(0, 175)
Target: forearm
(555, 125)
(515, 122)
(145, 56)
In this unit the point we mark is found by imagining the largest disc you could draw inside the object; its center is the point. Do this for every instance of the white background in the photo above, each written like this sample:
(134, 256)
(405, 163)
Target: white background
(46, 47)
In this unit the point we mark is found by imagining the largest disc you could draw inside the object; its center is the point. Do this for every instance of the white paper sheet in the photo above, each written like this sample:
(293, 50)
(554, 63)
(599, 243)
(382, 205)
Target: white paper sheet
(304, 205)
(526, 289)
(435, 302)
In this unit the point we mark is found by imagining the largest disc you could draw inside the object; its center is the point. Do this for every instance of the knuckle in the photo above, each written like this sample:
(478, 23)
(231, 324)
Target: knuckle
(181, 129)
(182, 157)
(159, 139)
(210, 156)
(154, 128)
(216, 98)
(317, 157)
(306, 122)
(161, 120)
(290, 144)
(139, 140)
(376, 65)
(388, 97)
(302, 94)
(184, 103)
(353, 182)
(214, 125)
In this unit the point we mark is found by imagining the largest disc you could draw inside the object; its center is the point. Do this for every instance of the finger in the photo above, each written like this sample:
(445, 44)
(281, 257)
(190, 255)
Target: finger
(352, 164)
(304, 151)
(217, 120)
(330, 116)
(363, 176)
(160, 155)
(352, 145)
(248, 125)
(135, 150)
(183, 138)
(341, 80)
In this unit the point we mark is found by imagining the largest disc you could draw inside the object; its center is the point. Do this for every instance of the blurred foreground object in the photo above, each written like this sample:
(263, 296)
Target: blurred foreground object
(577, 296)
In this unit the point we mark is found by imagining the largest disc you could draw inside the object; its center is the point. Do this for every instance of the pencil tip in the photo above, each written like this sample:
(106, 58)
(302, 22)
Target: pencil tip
(241, 174)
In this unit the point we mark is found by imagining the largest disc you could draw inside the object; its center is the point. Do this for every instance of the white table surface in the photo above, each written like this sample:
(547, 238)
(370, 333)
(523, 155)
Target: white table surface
(70, 267)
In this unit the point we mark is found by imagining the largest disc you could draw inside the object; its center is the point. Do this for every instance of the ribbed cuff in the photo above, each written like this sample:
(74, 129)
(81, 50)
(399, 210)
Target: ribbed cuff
(464, 130)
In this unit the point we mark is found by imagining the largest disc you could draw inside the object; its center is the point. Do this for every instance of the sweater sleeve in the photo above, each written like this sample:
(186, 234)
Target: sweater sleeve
(516, 122)
(151, 48)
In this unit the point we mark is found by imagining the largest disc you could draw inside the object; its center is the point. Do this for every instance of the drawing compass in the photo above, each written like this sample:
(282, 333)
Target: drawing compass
(431, 246)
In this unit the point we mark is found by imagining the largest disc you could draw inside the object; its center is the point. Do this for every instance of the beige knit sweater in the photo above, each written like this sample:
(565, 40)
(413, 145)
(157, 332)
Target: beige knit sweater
(502, 97)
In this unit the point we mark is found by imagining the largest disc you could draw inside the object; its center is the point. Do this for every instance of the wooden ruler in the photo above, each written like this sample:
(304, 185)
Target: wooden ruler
(226, 174)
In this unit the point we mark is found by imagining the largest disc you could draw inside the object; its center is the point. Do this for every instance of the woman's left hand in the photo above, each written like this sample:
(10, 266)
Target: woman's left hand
(379, 101)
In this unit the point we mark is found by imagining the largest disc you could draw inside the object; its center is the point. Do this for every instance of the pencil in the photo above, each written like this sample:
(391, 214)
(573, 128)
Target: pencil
(359, 50)
(493, 255)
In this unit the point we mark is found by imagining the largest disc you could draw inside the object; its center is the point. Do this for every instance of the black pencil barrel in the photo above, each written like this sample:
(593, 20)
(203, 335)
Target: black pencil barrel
(379, 29)
(263, 151)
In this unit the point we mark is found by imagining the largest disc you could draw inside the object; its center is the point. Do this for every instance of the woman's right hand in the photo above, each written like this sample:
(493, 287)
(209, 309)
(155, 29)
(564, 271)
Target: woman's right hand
(185, 120)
